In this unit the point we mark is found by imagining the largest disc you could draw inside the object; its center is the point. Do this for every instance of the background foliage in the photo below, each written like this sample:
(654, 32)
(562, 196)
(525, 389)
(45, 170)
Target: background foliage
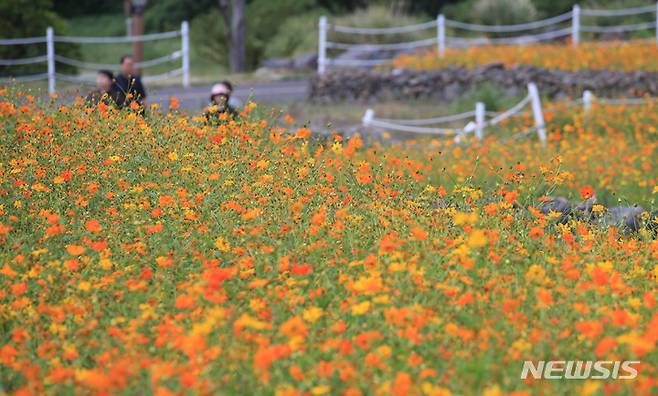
(29, 18)
(275, 28)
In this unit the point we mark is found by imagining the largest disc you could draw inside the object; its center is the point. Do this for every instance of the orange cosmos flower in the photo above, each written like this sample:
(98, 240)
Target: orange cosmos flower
(300, 269)
(536, 232)
(303, 133)
(419, 233)
(401, 384)
(587, 192)
(590, 328)
(75, 250)
(604, 346)
(164, 261)
(154, 229)
(173, 103)
(294, 327)
(18, 288)
(184, 302)
(93, 226)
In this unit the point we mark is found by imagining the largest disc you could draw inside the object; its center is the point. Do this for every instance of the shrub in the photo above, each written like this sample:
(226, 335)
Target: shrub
(168, 14)
(493, 96)
(30, 18)
(379, 17)
(264, 20)
(492, 12)
(297, 35)
(504, 12)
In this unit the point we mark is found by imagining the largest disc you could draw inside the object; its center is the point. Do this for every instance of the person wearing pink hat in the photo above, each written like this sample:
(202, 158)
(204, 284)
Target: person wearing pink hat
(220, 96)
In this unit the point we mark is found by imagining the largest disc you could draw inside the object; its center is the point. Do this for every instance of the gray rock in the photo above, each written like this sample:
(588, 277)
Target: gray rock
(308, 61)
(278, 63)
(559, 205)
(628, 218)
(364, 84)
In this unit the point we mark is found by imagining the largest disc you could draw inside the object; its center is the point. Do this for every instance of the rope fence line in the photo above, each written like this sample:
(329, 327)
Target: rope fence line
(509, 28)
(380, 31)
(431, 121)
(478, 125)
(145, 64)
(165, 75)
(556, 27)
(588, 100)
(393, 46)
(414, 129)
(23, 61)
(619, 12)
(75, 79)
(51, 58)
(27, 78)
(359, 62)
(118, 39)
(23, 41)
(509, 113)
(518, 40)
(619, 28)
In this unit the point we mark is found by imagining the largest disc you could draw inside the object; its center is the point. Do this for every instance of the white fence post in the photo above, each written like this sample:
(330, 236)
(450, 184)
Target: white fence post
(322, 45)
(587, 101)
(50, 52)
(575, 25)
(479, 120)
(441, 34)
(537, 112)
(185, 49)
(129, 26)
(367, 117)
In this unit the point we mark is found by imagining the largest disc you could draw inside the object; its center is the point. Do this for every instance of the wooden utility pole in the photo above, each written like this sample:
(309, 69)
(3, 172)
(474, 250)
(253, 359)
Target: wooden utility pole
(127, 12)
(137, 10)
(233, 12)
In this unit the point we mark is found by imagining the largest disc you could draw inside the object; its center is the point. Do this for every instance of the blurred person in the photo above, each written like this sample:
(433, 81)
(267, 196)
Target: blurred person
(105, 89)
(221, 104)
(129, 85)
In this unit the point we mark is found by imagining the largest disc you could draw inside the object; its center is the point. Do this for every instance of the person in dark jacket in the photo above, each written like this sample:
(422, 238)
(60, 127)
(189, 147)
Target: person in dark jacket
(220, 103)
(105, 89)
(129, 85)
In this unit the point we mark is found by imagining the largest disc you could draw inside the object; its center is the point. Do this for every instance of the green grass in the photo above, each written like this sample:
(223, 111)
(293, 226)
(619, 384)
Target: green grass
(114, 25)
(332, 115)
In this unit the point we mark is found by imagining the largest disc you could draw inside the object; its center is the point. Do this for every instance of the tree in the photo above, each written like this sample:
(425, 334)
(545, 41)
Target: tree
(75, 8)
(30, 18)
(233, 12)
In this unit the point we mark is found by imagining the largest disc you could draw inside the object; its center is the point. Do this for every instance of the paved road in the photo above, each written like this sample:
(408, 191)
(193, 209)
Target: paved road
(194, 98)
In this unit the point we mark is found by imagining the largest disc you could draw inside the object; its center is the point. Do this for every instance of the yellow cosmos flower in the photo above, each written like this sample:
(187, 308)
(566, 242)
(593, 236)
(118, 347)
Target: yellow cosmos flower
(477, 238)
(222, 244)
(361, 308)
(312, 314)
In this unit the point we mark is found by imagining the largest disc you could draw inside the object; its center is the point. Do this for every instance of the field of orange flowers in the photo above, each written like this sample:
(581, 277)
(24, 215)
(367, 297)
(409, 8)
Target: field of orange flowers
(164, 256)
(629, 56)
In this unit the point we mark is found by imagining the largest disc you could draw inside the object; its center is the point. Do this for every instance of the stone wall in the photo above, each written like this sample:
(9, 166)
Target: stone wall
(449, 83)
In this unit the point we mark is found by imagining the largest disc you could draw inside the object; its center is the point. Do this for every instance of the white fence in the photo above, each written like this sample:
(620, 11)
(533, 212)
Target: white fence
(51, 58)
(477, 125)
(478, 117)
(557, 27)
